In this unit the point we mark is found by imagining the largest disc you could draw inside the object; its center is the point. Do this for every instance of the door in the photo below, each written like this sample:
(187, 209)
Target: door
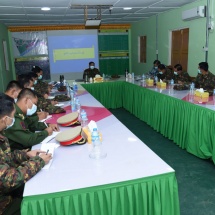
(180, 43)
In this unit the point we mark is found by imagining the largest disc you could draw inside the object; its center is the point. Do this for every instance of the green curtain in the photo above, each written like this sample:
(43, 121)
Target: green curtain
(190, 126)
(157, 195)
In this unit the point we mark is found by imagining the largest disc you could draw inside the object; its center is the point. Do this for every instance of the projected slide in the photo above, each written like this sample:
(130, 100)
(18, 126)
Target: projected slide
(72, 53)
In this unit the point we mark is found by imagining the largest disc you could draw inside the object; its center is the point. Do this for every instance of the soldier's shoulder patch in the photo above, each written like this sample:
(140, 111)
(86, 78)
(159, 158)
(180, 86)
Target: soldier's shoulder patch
(23, 125)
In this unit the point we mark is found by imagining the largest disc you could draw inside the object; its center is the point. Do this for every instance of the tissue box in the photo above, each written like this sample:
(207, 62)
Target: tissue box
(150, 82)
(98, 80)
(161, 85)
(87, 134)
(201, 95)
(200, 100)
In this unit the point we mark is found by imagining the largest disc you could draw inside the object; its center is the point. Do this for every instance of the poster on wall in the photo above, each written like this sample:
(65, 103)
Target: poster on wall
(29, 44)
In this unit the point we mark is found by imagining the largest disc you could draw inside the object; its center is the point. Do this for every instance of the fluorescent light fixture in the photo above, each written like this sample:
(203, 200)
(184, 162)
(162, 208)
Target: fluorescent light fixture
(93, 22)
(45, 8)
(127, 8)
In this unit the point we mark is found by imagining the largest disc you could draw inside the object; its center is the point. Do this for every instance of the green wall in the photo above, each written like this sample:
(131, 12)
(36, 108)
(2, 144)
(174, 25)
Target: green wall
(5, 76)
(168, 21)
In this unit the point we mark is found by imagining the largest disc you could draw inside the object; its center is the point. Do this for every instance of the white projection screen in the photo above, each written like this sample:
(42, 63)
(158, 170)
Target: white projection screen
(70, 52)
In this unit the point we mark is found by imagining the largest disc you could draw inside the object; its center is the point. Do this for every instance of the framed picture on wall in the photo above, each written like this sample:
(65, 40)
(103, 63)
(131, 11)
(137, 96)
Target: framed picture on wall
(5, 55)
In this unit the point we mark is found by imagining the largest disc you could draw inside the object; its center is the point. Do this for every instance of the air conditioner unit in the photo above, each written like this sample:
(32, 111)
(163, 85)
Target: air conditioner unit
(194, 13)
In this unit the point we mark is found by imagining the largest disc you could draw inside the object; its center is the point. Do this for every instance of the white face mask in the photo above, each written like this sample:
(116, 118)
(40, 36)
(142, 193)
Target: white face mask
(15, 100)
(161, 73)
(12, 123)
(32, 110)
(199, 71)
(32, 88)
(175, 73)
(40, 77)
(92, 67)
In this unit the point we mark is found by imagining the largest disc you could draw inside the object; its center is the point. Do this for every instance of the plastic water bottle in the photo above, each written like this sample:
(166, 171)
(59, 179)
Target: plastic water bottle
(192, 88)
(73, 105)
(68, 89)
(171, 86)
(78, 105)
(83, 118)
(132, 75)
(156, 79)
(75, 88)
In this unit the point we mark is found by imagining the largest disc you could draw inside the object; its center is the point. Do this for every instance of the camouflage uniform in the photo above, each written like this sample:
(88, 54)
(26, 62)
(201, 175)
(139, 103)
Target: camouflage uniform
(46, 105)
(22, 134)
(207, 82)
(41, 86)
(91, 73)
(183, 77)
(15, 169)
(167, 75)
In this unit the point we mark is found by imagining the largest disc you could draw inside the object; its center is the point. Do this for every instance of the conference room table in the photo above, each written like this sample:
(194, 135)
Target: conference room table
(132, 179)
(175, 114)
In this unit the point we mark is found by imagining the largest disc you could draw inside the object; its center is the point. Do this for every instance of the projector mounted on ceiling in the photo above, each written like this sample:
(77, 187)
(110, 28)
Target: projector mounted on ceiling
(95, 21)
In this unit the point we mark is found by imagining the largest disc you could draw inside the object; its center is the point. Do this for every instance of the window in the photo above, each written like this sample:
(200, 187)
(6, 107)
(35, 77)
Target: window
(142, 49)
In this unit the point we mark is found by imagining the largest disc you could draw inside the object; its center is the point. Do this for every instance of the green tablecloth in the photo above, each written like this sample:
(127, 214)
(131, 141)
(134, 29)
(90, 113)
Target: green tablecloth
(190, 126)
(156, 195)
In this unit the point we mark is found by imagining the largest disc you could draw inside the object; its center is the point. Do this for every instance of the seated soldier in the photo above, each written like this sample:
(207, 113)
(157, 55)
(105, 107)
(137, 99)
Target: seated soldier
(91, 72)
(26, 82)
(164, 74)
(180, 77)
(40, 84)
(13, 89)
(154, 70)
(33, 76)
(205, 79)
(16, 167)
(22, 134)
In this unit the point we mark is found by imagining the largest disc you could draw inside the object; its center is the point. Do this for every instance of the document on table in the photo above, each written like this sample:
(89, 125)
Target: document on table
(48, 117)
(49, 138)
(59, 105)
(50, 147)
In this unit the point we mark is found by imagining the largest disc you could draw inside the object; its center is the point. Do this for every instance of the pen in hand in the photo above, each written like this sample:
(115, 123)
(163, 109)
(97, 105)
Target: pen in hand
(47, 152)
(46, 124)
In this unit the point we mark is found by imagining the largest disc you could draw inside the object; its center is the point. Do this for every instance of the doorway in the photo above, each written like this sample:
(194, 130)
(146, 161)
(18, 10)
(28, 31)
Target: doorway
(179, 50)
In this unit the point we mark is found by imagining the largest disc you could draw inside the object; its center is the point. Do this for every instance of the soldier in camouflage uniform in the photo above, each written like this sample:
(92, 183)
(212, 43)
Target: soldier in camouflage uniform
(154, 71)
(182, 79)
(205, 79)
(164, 74)
(22, 134)
(16, 167)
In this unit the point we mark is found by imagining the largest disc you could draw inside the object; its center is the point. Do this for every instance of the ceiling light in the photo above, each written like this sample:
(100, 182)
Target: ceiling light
(45, 8)
(127, 8)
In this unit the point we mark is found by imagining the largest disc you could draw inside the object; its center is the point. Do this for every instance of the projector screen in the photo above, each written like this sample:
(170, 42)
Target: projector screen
(71, 51)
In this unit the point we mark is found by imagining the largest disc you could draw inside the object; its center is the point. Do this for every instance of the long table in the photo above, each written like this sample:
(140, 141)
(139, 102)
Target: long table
(132, 179)
(189, 124)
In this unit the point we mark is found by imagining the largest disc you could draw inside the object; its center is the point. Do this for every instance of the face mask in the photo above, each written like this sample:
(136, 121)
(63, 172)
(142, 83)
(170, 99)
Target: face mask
(40, 77)
(92, 67)
(15, 100)
(31, 111)
(35, 82)
(12, 123)
(175, 73)
(156, 67)
(32, 88)
(199, 71)
(160, 73)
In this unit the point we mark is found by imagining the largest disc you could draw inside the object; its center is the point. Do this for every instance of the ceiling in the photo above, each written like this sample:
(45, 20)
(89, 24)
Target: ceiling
(29, 13)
